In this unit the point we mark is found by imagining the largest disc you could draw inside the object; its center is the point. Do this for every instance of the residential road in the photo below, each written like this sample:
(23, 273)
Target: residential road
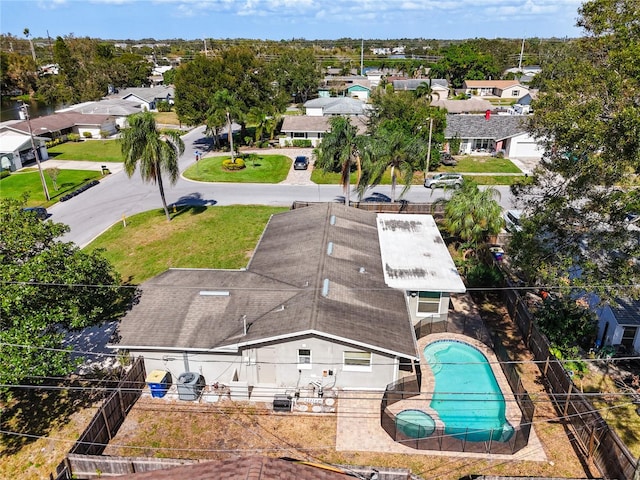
(98, 208)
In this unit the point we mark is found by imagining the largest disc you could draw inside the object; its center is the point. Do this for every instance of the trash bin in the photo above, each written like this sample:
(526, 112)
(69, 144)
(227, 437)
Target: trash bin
(159, 382)
(190, 385)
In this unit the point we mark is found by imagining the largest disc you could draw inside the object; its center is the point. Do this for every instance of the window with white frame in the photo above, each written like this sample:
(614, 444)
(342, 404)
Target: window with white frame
(304, 358)
(428, 303)
(515, 93)
(357, 361)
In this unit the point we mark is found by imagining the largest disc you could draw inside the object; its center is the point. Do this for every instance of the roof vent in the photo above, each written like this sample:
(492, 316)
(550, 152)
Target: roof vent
(332, 219)
(330, 248)
(214, 293)
(362, 270)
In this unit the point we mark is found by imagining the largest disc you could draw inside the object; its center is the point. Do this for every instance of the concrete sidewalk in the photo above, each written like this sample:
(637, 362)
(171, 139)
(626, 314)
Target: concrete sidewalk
(114, 167)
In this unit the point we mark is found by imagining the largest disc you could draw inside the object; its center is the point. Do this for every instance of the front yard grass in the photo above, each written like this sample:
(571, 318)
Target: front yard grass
(196, 237)
(88, 150)
(265, 169)
(28, 181)
(482, 164)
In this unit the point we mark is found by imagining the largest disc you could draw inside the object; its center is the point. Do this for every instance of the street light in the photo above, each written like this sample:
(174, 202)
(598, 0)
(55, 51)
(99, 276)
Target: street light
(25, 109)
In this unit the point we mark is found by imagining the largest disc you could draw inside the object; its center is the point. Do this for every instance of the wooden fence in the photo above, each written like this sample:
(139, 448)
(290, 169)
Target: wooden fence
(596, 441)
(104, 425)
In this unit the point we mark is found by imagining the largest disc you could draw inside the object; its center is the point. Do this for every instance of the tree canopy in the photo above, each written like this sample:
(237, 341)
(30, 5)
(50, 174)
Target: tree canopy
(587, 118)
(46, 287)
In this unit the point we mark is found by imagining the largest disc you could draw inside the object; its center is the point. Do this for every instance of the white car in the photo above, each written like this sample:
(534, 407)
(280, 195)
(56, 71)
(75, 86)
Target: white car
(512, 220)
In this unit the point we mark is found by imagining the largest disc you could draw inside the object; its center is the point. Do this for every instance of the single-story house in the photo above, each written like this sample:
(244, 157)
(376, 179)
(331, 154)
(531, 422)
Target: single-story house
(359, 90)
(507, 133)
(619, 324)
(16, 149)
(329, 106)
(329, 298)
(511, 89)
(439, 86)
(118, 108)
(147, 98)
(61, 124)
(305, 127)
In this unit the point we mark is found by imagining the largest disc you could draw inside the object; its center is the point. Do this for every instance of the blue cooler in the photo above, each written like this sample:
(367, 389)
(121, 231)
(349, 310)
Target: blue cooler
(159, 382)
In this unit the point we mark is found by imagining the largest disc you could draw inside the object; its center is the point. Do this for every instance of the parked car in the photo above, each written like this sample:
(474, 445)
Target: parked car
(444, 180)
(447, 159)
(512, 220)
(301, 163)
(40, 212)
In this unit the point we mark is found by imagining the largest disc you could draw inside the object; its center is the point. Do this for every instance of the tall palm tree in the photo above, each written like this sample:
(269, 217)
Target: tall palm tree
(424, 90)
(223, 110)
(339, 150)
(392, 147)
(472, 214)
(142, 145)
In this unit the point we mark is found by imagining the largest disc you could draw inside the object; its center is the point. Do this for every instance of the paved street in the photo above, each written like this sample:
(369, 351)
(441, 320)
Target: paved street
(117, 195)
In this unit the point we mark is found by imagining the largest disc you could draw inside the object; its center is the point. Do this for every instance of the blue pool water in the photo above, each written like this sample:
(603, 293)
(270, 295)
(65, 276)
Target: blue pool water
(415, 423)
(466, 394)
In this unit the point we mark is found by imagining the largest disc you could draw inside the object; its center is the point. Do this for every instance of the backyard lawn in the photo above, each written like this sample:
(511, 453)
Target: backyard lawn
(28, 181)
(88, 150)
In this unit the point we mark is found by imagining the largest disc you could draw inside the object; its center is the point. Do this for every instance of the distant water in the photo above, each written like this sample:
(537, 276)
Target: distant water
(11, 109)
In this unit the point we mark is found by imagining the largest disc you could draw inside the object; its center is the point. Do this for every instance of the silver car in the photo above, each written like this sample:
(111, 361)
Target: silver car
(444, 180)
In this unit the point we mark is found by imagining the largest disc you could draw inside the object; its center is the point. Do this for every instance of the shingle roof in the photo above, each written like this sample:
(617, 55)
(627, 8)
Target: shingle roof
(147, 94)
(320, 124)
(337, 105)
(59, 121)
(502, 84)
(469, 105)
(413, 83)
(498, 127)
(295, 283)
(112, 106)
(627, 311)
(243, 468)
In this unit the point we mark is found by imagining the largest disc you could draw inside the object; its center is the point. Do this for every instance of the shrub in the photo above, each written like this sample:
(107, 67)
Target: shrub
(104, 134)
(163, 106)
(87, 135)
(231, 165)
(482, 275)
(73, 137)
(4, 174)
(302, 143)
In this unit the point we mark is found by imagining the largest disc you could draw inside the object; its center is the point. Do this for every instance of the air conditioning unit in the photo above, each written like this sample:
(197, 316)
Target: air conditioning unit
(282, 403)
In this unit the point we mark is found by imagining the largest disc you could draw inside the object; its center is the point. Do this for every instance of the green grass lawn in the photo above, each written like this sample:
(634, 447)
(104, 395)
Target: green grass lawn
(266, 169)
(28, 181)
(91, 150)
(196, 237)
(487, 164)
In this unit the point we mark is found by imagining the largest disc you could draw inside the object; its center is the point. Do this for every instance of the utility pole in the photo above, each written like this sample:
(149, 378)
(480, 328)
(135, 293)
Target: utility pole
(426, 170)
(521, 53)
(25, 110)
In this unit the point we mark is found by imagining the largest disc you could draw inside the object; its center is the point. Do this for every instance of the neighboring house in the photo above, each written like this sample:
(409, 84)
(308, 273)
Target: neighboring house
(329, 106)
(329, 298)
(118, 108)
(305, 127)
(511, 89)
(439, 86)
(147, 98)
(619, 324)
(469, 105)
(507, 133)
(374, 76)
(359, 90)
(16, 149)
(59, 125)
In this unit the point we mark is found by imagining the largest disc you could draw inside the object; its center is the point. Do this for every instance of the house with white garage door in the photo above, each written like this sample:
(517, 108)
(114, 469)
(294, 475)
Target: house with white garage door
(493, 133)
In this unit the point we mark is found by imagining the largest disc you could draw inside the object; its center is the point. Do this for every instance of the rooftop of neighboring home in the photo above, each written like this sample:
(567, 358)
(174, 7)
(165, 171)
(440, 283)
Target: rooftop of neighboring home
(109, 106)
(319, 124)
(497, 127)
(337, 105)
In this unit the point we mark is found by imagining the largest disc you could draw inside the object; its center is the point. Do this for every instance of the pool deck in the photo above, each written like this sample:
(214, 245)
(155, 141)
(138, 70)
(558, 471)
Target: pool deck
(359, 426)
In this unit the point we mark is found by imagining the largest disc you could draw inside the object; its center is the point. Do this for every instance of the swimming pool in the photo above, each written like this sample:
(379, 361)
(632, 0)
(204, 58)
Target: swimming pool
(466, 393)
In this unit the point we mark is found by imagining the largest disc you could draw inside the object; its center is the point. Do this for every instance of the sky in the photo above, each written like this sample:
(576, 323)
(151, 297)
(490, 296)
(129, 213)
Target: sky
(289, 19)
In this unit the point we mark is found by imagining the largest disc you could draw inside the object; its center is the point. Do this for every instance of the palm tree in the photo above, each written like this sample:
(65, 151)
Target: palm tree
(223, 110)
(339, 149)
(392, 147)
(472, 214)
(424, 90)
(143, 145)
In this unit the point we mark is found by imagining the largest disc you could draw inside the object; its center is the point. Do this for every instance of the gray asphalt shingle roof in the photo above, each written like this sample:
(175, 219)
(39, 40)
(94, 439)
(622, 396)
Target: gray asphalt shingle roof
(294, 284)
(498, 127)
